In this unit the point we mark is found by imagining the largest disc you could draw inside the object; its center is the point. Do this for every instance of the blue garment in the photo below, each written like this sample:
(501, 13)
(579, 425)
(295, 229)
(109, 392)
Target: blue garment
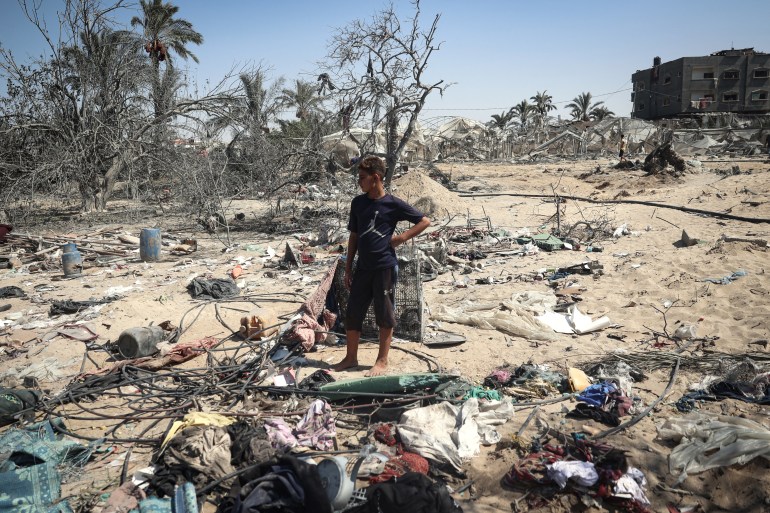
(727, 279)
(596, 395)
(375, 222)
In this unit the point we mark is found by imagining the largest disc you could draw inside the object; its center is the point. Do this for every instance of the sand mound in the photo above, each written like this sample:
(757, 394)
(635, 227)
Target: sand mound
(425, 193)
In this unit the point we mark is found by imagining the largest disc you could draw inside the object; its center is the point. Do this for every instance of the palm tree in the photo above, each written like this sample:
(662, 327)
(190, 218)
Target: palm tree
(502, 120)
(303, 97)
(252, 111)
(581, 106)
(523, 110)
(543, 103)
(164, 34)
(600, 113)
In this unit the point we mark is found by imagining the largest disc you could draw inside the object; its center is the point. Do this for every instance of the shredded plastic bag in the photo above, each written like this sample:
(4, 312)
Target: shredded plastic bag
(706, 442)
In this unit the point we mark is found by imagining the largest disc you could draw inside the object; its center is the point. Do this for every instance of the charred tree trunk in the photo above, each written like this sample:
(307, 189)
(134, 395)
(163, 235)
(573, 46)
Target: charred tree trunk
(391, 145)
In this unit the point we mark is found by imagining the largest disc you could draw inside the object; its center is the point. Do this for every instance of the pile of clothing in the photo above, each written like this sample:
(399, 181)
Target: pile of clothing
(583, 467)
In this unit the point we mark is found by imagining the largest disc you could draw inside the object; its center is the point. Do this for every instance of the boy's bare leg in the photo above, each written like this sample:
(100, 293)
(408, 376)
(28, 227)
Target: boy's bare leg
(381, 365)
(351, 357)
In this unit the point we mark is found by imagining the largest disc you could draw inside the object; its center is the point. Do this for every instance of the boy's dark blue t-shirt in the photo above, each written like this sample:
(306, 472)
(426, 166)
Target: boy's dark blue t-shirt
(375, 221)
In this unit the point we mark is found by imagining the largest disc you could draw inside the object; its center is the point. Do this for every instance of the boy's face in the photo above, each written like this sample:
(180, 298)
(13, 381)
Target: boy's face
(366, 181)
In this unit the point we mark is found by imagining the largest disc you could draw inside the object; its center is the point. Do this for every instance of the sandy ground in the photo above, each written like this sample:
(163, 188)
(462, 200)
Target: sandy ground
(642, 270)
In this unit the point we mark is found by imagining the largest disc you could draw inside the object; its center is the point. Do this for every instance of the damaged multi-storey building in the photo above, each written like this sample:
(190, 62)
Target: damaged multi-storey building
(728, 81)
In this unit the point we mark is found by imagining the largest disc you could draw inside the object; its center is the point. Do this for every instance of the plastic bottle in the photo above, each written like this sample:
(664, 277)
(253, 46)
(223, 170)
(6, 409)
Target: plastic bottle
(594, 249)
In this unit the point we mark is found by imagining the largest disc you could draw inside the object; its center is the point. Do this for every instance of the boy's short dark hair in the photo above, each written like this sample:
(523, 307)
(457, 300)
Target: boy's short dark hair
(372, 164)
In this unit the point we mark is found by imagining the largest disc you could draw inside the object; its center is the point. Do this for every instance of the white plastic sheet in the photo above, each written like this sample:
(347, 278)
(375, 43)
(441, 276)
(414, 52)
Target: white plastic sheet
(707, 442)
(573, 321)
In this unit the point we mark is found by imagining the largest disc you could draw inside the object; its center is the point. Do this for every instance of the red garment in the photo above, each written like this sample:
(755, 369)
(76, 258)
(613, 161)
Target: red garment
(384, 434)
(400, 465)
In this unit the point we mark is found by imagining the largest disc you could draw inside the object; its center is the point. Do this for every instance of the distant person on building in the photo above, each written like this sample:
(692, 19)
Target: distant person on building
(622, 148)
(373, 218)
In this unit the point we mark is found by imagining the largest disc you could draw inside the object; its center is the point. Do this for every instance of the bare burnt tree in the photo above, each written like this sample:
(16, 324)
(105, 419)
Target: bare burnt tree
(82, 116)
(378, 67)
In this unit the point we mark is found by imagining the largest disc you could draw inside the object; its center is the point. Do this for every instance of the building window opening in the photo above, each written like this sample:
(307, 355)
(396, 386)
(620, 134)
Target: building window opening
(640, 106)
(760, 73)
(666, 101)
(731, 74)
(730, 97)
(759, 96)
(667, 79)
(703, 73)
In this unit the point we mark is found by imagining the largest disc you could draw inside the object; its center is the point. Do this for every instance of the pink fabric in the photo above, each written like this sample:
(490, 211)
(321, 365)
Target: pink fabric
(306, 328)
(180, 353)
(124, 499)
(316, 429)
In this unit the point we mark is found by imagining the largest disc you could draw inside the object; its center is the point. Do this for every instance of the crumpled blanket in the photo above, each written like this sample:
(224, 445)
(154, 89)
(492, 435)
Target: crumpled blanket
(217, 288)
(30, 460)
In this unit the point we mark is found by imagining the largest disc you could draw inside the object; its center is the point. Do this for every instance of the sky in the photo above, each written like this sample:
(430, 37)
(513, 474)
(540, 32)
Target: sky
(495, 53)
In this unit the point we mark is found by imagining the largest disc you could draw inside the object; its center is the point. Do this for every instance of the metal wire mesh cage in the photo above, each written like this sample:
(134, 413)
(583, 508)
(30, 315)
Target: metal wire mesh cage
(409, 314)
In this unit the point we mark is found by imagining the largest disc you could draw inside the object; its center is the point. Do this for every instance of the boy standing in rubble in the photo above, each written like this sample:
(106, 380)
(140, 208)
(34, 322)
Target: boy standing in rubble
(373, 218)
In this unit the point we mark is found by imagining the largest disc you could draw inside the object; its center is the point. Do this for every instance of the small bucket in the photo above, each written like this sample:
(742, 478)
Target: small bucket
(149, 245)
(139, 342)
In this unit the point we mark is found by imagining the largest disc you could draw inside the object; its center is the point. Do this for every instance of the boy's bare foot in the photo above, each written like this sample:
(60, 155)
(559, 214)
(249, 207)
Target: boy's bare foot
(380, 368)
(346, 363)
